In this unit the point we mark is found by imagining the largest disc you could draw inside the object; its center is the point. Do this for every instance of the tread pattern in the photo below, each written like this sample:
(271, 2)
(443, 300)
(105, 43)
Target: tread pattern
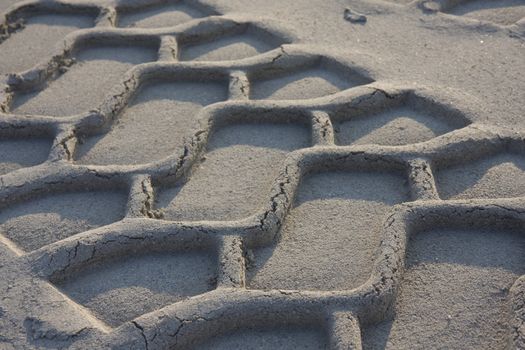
(251, 61)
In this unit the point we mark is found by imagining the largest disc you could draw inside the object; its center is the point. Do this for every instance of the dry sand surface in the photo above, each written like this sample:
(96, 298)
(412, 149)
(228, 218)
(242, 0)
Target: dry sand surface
(280, 174)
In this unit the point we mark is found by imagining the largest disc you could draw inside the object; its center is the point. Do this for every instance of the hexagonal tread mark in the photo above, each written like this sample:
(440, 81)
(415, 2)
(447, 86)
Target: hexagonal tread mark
(248, 42)
(96, 70)
(155, 124)
(503, 12)
(494, 176)
(308, 83)
(44, 220)
(165, 15)
(454, 293)
(286, 337)
(393, 127)
(37, 39)
(16, 153)
(124, 288)
(314, 253)
(233, 179)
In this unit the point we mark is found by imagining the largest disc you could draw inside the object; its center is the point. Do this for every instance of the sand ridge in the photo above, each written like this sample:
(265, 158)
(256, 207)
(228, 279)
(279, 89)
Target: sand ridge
(197, 177)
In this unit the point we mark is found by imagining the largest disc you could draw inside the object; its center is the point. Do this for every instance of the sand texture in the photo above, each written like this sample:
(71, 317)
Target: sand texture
(280, 174)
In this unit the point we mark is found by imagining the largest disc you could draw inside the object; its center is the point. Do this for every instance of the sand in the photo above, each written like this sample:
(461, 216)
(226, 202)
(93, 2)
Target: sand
(37, 40)
(224, 49)
(84, 85)
(155, 124)
(237, 170)
(17, 153)
(498, 176)
(55, 217)
(333, 210)
(395, 127)
(262, 339)
(502, 12)
(147, 282)
(239, 174)
(454, 293)
(306, 84)
(159, 16)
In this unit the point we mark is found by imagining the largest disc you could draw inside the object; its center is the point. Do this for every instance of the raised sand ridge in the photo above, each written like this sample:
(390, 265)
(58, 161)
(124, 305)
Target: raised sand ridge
(240, 174)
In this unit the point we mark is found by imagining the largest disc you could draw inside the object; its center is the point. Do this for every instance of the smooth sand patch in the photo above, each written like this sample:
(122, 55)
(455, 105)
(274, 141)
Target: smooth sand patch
(454, 294)
(393, 127)
(86, 83)
(300, 85)
(226, 48)
(155, 125)
(4, 4)
(37, 40)
(122, 289)
(285, 338)
(330, 237)
(504, 12)
(234, 179)
(43, 220)
(159, 16)
(20, 153)
(498, 176)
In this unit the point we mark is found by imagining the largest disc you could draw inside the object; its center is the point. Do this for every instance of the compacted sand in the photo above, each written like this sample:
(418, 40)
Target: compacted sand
(242, 174)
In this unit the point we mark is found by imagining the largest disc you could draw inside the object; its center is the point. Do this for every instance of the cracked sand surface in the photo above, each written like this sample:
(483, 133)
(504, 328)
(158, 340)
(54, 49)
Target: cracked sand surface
(245, 174)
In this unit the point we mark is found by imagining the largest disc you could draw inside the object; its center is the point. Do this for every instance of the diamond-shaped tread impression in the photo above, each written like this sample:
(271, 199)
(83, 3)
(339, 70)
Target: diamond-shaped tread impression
(314, 253)
(503, 12)
(454, 293)
(497, 176)
(19, 153)
(83, 87)
(155, 125)
(285, 338)
(229, 47)
(37, 40)
(305, 84)
(233, 179)
(159, 16)
(392, 127)
(122, 289)
(47, 219)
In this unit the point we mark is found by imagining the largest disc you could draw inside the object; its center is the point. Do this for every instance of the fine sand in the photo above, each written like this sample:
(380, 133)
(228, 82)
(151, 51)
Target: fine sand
(240, 174)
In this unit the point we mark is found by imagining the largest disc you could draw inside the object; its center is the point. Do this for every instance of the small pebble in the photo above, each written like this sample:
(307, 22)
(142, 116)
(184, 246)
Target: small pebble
(431, 6)
(354, 17)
